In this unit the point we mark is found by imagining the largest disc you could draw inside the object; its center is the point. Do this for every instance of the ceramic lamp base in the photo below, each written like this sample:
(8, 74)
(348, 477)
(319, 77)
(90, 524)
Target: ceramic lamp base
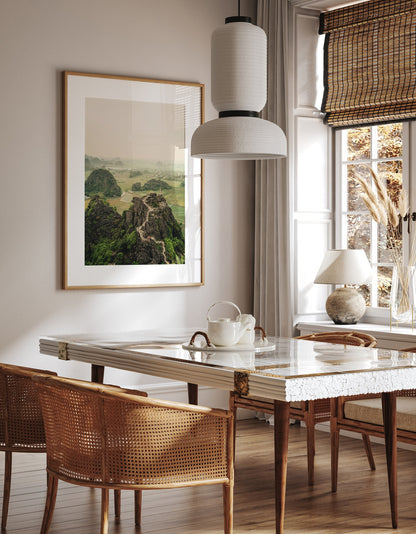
(345, 306)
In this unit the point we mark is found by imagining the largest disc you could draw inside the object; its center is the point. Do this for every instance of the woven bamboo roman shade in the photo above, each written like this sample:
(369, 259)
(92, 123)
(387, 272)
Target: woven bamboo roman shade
(370, 63)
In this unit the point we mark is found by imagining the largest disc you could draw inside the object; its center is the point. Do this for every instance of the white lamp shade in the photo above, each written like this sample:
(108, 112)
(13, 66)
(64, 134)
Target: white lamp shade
(239, 67)
(346, 266)
(239, 93)
(239, 138)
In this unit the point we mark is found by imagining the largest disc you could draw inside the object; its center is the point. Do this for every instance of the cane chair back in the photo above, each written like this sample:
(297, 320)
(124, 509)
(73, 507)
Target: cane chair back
(310, 412)
(21, 424)
(358, 339)
(369, 340)
(101, 436)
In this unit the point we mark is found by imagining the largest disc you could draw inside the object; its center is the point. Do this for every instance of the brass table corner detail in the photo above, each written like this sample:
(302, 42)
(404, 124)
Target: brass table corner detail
(63, 351)
(241, 382)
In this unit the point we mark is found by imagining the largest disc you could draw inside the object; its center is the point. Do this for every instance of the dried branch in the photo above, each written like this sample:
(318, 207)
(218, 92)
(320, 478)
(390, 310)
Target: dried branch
(380, 187)
(366, 187)
(403, 205)
(372, 207)
(392, 214)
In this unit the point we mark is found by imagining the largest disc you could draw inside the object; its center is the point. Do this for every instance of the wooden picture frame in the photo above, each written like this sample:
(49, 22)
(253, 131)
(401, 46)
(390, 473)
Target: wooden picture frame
(133, 195)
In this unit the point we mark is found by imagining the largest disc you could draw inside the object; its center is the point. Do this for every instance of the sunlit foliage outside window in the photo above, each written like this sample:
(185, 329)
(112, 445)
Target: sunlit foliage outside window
(381, 148)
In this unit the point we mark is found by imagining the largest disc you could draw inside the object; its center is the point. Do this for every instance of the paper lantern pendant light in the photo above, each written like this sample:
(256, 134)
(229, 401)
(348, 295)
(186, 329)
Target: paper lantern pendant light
(239, 93)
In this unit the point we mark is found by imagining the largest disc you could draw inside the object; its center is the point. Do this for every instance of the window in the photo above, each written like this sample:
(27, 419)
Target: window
(385, 149)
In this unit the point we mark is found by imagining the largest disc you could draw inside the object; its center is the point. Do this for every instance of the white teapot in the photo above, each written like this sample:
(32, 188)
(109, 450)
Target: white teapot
(225, 332)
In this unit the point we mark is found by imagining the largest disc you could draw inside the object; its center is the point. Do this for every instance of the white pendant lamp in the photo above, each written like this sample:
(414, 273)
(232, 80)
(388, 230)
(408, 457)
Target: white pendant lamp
(239, 93)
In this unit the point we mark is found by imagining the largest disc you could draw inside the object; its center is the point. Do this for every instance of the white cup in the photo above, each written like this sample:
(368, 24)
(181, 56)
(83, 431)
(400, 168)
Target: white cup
(224, 332)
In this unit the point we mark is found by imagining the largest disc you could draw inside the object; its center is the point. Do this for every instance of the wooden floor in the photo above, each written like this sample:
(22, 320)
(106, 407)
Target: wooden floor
(361, 505)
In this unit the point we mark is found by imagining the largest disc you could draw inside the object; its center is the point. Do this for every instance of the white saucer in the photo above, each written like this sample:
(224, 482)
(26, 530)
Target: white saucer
(256, 347)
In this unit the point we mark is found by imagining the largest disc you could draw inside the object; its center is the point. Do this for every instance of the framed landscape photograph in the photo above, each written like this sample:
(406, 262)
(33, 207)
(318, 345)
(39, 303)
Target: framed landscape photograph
(132, 191)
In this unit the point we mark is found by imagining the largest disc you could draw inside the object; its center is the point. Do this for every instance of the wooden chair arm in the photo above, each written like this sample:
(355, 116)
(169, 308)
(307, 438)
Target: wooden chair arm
(23, 372)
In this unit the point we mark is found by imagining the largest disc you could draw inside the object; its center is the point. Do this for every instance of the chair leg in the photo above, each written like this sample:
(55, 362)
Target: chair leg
(233, 408)
(117, 503)
(52, 484)
(228, 496)
(104, 510)
(138, 507)
(369, 452)
(6, 491)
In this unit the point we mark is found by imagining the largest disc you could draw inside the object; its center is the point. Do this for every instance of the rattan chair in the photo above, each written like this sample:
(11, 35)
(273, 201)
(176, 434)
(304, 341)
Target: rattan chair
(363, 414)
(101, 436)
(310, 412)
(21, 425)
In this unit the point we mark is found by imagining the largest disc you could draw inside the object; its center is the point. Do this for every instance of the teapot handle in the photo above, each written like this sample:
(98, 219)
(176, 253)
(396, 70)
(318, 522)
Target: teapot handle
(223, 302)
(263, 333)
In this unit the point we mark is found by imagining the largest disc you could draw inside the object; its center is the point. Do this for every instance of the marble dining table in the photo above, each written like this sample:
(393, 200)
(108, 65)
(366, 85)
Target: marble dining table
(280, 369)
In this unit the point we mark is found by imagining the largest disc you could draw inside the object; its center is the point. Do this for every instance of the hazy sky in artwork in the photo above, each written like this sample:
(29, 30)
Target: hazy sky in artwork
(134, 130)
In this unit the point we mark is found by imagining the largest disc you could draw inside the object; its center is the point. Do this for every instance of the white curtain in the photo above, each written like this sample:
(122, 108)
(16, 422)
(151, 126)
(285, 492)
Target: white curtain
(272, 280)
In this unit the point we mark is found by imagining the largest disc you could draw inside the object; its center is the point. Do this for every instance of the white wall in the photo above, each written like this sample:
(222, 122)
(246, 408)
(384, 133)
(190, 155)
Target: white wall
(163, 39)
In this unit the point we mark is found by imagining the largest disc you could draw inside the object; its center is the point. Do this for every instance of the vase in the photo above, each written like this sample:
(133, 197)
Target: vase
(403, 294)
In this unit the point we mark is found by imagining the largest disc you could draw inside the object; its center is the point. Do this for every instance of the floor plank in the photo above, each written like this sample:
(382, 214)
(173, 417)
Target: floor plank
(360, 506)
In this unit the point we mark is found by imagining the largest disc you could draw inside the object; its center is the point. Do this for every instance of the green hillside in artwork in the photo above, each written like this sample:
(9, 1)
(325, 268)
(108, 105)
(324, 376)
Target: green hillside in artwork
(134, 213)
(101, 181)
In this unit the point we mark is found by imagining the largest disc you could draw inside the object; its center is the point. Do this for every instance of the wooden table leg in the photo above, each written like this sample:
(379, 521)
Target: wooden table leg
(97, 373)
(390, 436)
(281, 440)
(193, 393)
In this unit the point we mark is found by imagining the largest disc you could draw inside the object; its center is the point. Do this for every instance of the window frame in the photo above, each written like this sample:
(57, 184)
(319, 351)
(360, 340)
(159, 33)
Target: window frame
(409, 168)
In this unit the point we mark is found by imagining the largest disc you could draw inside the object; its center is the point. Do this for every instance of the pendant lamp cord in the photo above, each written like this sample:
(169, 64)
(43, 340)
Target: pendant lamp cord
(238, 7)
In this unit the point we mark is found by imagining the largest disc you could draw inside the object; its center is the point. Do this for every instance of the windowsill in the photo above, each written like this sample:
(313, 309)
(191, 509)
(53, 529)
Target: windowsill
(394, 337)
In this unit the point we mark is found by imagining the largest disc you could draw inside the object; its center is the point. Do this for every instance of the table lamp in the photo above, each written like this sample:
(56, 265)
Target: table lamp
(348, 266)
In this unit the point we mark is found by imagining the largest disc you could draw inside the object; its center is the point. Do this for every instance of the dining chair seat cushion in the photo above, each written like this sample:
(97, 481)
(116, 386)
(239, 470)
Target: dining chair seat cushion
(370, 411)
